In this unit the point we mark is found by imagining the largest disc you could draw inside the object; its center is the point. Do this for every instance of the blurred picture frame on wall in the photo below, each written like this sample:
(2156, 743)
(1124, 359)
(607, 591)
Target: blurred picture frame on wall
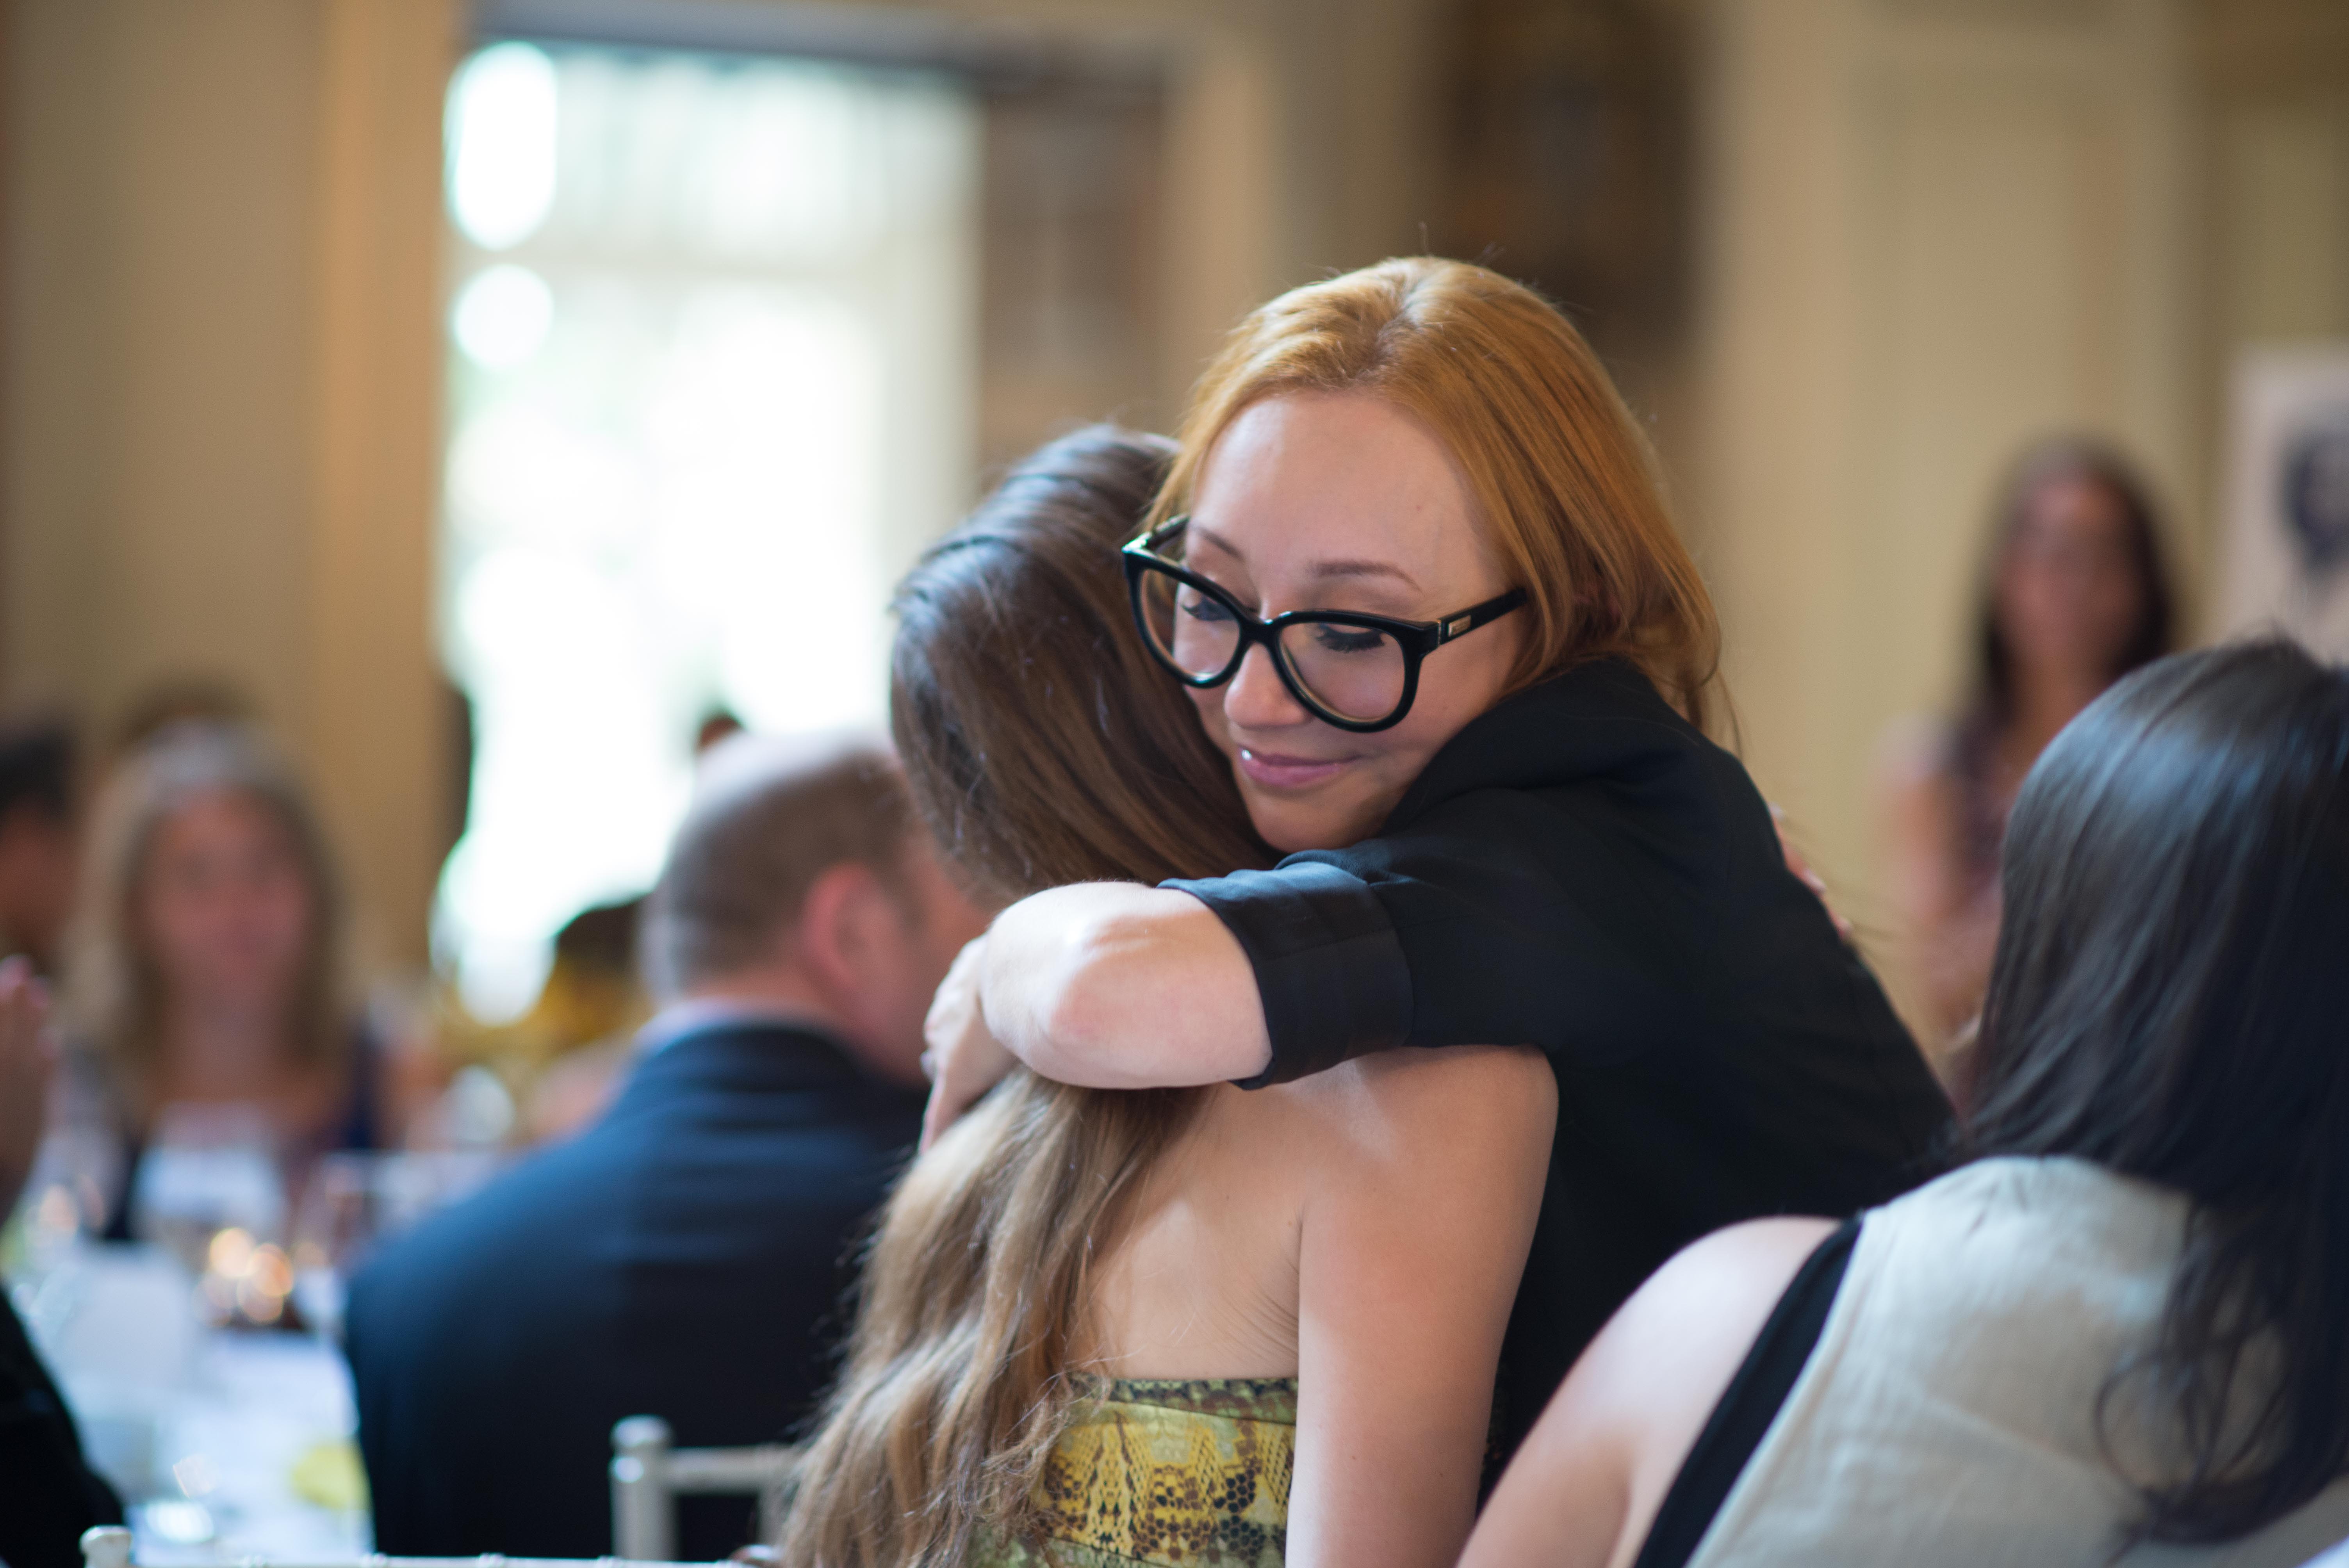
(2284, 557)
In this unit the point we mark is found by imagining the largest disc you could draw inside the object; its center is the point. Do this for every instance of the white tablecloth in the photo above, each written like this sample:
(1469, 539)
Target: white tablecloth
(176, 1414)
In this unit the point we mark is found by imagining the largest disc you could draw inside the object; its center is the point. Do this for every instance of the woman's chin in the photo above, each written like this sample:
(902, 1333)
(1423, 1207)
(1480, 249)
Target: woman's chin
(1292, 826)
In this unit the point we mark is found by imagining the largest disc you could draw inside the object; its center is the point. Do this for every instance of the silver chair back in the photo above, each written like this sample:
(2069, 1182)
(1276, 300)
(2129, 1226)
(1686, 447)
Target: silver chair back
(649, 1476)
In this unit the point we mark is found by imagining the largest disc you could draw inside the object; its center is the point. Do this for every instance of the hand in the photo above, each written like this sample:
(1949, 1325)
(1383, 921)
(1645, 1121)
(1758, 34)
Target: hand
(28, 1054)
(1810, 878)
(964, 1059)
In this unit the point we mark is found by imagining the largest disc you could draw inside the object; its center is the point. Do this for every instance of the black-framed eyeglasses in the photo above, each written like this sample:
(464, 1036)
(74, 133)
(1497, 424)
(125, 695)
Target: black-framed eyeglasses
(1355, 671)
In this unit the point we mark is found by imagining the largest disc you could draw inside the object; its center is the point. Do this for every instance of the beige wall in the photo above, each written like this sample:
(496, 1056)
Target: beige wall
(2278, 76)
(1938, 227)
(1297, 138)
(219, 427)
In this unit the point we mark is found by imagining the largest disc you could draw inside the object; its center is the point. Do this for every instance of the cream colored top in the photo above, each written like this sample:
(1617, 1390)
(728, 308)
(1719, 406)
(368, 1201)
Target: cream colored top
(1946, 1417)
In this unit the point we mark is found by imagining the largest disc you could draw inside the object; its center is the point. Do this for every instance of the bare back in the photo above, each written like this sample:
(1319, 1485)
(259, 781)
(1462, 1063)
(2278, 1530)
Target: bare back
(1362, 1230)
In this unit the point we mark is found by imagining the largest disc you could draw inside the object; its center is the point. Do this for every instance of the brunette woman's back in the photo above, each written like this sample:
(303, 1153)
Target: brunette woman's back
(1297, 1244)
(1197, 1326)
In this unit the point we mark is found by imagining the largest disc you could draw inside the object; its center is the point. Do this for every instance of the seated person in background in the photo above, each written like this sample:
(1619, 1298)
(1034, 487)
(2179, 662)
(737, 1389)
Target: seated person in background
(2121, 1333)
(37, 840)
(1180, 1327)
(682, 1257)
(48, 1495)
(2073, 597)
(205, 983)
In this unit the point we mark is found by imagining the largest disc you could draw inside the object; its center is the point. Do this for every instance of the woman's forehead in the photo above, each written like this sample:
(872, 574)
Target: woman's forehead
(1341, 485)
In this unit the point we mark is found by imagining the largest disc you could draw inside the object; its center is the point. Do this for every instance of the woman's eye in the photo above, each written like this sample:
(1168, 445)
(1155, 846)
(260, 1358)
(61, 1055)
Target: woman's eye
(1200, 607)
(1348, 639)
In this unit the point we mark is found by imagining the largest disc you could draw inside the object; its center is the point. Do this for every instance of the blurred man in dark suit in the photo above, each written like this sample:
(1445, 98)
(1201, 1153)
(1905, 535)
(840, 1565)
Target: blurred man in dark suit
(685, 1256)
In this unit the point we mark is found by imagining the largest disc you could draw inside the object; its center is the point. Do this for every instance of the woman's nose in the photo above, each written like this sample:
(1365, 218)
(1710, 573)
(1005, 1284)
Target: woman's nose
(1255, 699)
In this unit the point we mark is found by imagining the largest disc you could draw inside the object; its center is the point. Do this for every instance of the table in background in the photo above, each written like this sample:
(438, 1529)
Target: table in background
(212, 1436)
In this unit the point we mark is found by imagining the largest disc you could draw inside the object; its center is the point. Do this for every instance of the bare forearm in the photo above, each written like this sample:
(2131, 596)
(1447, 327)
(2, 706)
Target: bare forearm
(1114, 985)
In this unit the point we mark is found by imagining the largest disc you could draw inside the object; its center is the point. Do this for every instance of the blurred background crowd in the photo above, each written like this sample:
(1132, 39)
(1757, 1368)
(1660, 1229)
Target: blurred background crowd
(426, 427)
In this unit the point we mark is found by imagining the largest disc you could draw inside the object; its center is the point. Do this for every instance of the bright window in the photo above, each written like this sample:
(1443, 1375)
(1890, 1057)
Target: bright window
(710, 342)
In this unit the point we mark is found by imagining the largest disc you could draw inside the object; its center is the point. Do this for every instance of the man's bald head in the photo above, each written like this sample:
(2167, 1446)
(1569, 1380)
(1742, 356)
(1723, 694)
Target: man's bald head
(769, 815)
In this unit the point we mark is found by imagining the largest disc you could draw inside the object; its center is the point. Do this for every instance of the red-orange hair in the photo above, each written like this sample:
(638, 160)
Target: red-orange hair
(1564, 485)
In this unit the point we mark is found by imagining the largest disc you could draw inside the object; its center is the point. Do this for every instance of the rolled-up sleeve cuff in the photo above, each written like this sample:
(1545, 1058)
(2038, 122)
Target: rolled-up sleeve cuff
(1327, 964)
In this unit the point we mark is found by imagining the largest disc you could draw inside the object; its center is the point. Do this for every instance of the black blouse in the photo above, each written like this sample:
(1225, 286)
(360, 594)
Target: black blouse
(1580, 870)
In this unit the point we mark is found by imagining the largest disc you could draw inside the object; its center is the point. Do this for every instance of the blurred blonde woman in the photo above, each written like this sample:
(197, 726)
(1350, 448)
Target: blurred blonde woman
(205, 975)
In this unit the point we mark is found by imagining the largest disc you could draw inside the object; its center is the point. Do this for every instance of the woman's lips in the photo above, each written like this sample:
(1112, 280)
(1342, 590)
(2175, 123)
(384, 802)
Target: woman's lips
(1277, 772)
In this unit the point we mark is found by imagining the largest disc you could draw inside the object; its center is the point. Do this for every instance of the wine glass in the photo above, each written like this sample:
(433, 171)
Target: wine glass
(210, 1191)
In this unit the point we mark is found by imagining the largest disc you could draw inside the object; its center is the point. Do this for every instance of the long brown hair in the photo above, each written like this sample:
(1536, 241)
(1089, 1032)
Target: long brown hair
(1566, 488)
(1042, 749)
(114, 996)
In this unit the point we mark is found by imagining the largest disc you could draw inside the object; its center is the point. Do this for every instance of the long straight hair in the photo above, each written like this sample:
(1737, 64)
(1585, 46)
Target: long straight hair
(1566, 488)
(1042, 748)
(2170, 1000)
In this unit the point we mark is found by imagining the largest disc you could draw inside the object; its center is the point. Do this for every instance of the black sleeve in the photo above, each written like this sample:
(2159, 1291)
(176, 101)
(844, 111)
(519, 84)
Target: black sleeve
(1495, 920)
(1328, 966)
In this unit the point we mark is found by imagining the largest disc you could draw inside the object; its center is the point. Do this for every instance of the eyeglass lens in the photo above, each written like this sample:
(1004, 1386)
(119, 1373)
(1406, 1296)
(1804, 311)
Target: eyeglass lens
(1355, 672)
(1194, 631)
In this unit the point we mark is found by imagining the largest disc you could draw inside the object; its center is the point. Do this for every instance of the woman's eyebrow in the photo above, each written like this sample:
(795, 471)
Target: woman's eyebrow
(1327, 570)
(1320, 571)
(1200, 533)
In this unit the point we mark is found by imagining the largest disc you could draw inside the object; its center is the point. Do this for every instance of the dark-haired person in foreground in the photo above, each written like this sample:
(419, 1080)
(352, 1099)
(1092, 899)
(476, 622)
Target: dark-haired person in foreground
(2121, 1332)
(684, 1256)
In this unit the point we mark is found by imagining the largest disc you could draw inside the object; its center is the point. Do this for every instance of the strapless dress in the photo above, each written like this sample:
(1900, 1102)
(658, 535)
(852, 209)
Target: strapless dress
(1173, 1474)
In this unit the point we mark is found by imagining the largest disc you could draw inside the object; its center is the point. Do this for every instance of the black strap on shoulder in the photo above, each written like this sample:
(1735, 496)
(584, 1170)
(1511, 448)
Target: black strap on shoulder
(1750, 1404)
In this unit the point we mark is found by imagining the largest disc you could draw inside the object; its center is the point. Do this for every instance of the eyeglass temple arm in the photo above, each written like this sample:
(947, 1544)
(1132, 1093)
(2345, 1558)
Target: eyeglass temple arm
(1476, 615)
(1151, 537)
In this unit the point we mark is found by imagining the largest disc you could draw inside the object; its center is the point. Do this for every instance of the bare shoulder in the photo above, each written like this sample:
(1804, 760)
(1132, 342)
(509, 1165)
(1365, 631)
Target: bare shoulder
(1745, 1264)
(1494, 1102)
(1671, 1351)
(1584, 1487)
